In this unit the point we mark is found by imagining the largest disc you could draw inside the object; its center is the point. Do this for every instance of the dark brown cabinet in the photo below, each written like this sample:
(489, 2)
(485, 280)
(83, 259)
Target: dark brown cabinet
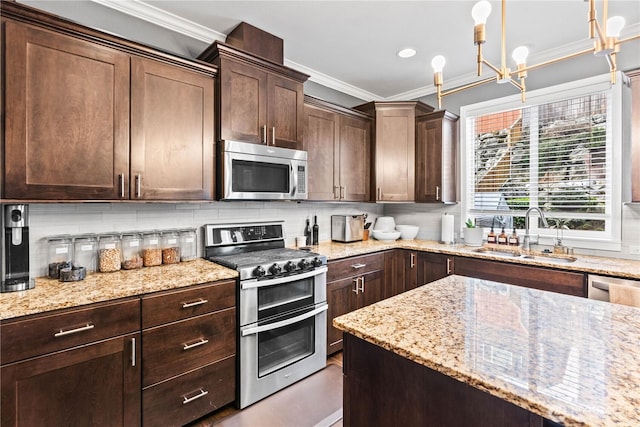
(339, 141)
(635, 134)
(188, 358)
(352, 283)
(546, 279)
(260, 101)
(436, 147)
(59, 367)
(89, 122)
(400, 271)
(394, 148)
(434, 266)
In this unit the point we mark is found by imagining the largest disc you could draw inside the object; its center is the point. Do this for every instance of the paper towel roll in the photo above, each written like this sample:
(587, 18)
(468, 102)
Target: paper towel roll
(446, 235)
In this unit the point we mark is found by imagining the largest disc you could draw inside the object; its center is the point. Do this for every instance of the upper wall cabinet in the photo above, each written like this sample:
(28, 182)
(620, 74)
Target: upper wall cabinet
(259, 101)
(394, 147)
(436, 147)
(84, 121)
(635, 134)
(338, 141)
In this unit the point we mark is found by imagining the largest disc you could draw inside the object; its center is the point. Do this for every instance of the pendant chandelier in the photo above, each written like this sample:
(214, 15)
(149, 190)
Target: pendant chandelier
(606, 42)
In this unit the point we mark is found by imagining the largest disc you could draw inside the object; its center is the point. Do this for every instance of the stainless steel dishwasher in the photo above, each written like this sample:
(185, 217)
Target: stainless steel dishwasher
(598, 286)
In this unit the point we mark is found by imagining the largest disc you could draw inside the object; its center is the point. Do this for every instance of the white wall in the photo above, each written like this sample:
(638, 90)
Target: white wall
(79, 218)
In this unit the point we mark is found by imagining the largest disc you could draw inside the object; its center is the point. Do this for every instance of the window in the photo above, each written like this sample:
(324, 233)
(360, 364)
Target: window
(560, 151)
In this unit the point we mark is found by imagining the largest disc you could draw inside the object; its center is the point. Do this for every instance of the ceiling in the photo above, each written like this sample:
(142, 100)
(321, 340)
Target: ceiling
(351, 46)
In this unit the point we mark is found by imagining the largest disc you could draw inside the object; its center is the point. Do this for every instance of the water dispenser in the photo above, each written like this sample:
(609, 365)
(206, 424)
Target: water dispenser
(15, 253)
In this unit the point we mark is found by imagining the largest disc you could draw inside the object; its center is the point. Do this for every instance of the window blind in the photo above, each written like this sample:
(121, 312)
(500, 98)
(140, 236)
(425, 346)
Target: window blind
(555, 156)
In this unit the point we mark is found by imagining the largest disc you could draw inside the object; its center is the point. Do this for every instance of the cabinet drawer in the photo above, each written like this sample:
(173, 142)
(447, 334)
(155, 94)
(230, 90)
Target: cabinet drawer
(177, 305)
(204, 391)
(170, 350)
(354, 266)
(43, 334)
(565, 282)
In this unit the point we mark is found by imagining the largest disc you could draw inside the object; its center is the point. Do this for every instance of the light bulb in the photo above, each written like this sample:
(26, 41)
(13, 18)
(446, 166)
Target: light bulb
(480, 12)
(437, 63)
(520, 55)
(614, 26)
(406, 52)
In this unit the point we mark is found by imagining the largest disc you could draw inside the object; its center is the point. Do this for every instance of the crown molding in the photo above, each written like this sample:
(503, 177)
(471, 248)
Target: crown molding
(146, 12)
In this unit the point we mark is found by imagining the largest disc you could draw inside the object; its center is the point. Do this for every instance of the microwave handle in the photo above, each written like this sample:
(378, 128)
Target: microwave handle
(280, 280)
(287, 322)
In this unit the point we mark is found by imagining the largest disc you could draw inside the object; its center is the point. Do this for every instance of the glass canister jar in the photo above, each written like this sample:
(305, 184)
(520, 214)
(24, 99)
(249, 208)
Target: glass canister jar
(170, 247)
(188, 244)
(109, 253)
(85, 249)
(151, 249)
(131, 251)
(60, 254)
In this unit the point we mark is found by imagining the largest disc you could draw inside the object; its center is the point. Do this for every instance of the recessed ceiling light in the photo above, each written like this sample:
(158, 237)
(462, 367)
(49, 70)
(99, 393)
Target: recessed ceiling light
(406, 53)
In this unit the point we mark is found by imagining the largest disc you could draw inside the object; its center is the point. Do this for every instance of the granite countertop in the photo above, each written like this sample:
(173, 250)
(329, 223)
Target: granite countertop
(51, 294)
(626, 268)
(568, 359)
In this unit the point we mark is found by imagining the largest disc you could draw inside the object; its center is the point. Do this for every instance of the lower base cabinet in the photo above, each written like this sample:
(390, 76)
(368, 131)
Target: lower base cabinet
(433, 266)
(400, 271)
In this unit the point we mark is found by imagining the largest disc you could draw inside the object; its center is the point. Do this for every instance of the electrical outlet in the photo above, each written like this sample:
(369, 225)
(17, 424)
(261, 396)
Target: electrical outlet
(634, 249)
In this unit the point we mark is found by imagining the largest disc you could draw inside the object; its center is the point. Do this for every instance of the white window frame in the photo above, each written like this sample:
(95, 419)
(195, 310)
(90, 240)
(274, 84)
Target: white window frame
(611, 238)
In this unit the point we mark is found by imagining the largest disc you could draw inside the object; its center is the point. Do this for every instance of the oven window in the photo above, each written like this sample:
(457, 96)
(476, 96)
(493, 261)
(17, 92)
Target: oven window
(278, 299)
(284, 346)
(259, 177)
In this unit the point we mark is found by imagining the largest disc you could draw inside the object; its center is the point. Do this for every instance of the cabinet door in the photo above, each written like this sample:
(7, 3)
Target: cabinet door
(243, 102)
(67, 117)
(92, 385)
(395, 155)
(432, 267)
(341, 300)
(355, 159)
(285, 112)
(171, 132)
(322, 145)
(635, 135)
(400, 272)
(371, 288)
(436, 138)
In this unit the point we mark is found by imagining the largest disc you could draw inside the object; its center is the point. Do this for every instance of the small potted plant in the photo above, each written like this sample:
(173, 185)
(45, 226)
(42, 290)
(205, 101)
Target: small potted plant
(472, 234)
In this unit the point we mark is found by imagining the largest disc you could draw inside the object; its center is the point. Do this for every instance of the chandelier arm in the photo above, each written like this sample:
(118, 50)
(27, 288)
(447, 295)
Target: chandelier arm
(600, 32)
(516, 84)
(467, 86)
(493, 67)
(551, 61)
(628, 39)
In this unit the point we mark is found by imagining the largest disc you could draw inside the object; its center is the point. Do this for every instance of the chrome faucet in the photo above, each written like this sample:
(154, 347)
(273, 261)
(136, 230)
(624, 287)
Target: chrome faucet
(526, 242)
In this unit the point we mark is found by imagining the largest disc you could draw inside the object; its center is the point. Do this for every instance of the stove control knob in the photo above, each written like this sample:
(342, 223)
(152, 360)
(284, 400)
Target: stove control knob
(317, 262)
(289, 266)
(259, 271)
(303, 264)
(275, 269)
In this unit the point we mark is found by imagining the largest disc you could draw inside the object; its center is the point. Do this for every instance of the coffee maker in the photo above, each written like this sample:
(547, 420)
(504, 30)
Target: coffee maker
(15, 249)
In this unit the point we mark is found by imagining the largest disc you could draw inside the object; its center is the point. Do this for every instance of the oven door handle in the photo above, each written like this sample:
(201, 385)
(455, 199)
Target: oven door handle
(280, 280)
(287, 322)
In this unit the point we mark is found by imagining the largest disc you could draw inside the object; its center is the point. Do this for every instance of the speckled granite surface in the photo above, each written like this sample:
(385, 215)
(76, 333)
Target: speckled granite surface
(587, 264)
(50, 294)
(568, 359)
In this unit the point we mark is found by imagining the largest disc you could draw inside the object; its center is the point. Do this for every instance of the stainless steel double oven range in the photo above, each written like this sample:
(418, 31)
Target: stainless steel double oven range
(281, 304)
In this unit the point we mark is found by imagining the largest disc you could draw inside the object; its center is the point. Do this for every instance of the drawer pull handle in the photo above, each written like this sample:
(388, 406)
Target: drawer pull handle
(359, 265)
(195, 344)
(197, 396)
(194, 303)
(62, 332)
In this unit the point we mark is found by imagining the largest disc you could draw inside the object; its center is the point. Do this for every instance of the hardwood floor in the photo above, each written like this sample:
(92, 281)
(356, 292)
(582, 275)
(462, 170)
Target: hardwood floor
(316, 401)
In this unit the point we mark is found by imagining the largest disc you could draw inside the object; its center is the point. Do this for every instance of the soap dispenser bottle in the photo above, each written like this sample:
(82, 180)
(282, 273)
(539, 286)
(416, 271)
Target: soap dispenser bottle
(502, 238)
(491, 237)
(514, 239)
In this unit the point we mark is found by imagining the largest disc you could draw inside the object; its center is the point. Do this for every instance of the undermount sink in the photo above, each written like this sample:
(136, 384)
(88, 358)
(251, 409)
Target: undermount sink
(517, 253)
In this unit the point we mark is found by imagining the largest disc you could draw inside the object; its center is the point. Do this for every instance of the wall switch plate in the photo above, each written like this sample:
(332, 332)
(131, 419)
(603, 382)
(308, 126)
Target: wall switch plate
(634, 249)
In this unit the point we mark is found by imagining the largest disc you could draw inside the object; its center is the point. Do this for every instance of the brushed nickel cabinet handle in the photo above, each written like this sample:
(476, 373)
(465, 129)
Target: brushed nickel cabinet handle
(186, 399)
(273, 135)
(379, 193)
(448, 265)
(63, 333)
(121, 182)
(413, 260)
(359, 265)
(362, 284)
(264, 135)
(336, 192)
(342, 191)
(138, 184)
(133, 352)
(437, 192)
(357, 288)
(195, 344)
(194, 303)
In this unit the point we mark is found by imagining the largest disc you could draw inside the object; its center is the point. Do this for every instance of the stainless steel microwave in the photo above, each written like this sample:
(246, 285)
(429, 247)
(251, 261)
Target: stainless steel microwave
(260, 172)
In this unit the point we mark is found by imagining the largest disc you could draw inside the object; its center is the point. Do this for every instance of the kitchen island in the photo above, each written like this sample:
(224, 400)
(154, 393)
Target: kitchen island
(464, 351)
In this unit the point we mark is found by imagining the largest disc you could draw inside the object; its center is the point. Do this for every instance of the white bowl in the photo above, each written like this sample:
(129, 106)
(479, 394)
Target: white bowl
(408, 232)
(386, 223)
(385, 235)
